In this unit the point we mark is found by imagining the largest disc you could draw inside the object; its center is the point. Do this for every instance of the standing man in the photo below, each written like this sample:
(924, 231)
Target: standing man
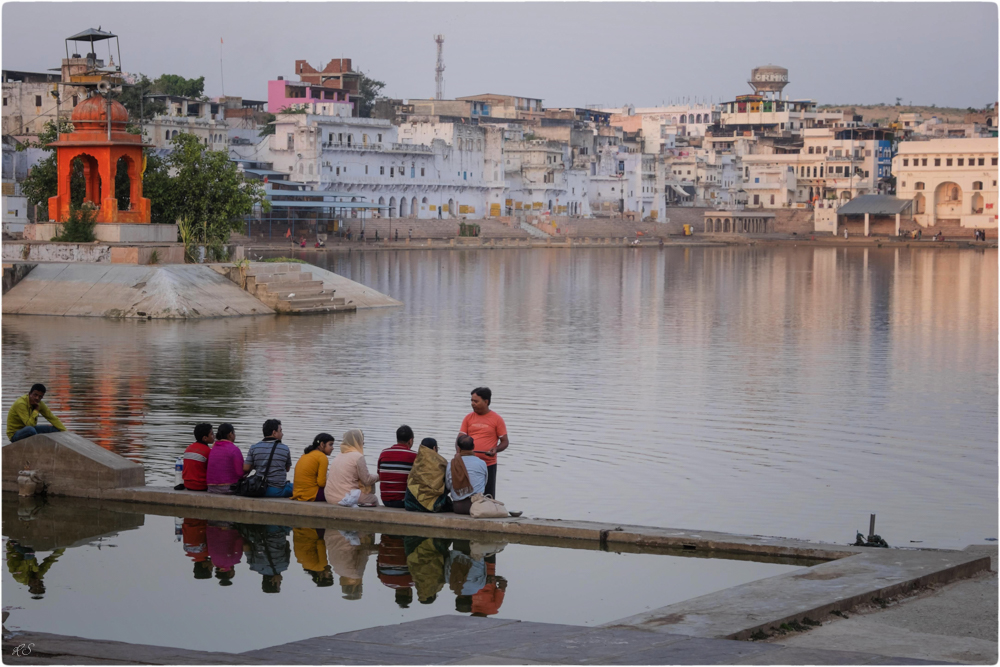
(394, 466)
(22, 420)
(488, 431)
(258, 455)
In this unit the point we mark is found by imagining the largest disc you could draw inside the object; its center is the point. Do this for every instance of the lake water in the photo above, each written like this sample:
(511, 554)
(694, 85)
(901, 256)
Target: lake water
(784, 391)
(204, 585)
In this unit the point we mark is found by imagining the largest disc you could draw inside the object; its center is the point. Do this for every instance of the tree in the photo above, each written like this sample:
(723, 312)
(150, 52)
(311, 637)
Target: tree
(131, 98)
(42, 181)
(173, 84)
(268, 128)
(207, 193)
(368, 90)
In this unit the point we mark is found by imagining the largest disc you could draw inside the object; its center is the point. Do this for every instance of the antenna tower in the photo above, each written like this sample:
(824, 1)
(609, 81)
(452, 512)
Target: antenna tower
(439, 68)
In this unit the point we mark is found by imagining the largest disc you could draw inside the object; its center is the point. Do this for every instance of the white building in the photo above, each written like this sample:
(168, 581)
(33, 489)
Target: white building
(205, 120)
(951, 181)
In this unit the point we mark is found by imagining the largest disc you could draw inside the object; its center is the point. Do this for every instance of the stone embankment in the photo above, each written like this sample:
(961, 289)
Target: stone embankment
(176, 291)
(836, 578)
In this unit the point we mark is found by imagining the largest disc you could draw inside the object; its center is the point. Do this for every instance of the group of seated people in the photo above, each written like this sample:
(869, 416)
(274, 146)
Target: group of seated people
(418, 481)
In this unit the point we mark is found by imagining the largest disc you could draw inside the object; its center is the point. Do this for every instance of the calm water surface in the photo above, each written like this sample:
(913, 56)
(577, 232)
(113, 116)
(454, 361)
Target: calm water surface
(203, 585)
(778, 391)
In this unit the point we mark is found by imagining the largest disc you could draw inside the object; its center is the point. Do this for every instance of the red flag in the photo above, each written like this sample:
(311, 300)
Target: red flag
(288, 234)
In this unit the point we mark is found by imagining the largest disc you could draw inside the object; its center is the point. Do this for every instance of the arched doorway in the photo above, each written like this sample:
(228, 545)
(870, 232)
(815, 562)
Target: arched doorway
(124, 170)
(919, 205)
(403, 207)
(413, 208)
(451, 208)
(392, 207)
(725, 225)
(947, 201)
(85, 181)
(977, 203)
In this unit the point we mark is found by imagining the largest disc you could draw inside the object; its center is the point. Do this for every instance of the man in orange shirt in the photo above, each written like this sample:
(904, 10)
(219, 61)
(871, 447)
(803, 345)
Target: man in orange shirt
(488, 431)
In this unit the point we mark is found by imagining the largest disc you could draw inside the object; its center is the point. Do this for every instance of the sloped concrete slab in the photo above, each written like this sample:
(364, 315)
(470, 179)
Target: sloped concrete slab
(178, 291)
(738, 612)
(69, 464)
(694, 652)
(597, 645)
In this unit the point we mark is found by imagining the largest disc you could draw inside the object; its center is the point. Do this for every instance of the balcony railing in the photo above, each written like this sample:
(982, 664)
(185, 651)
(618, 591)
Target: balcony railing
(384, 147)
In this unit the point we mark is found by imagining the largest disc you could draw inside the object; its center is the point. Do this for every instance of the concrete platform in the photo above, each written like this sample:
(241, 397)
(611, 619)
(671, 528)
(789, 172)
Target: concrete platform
(181, 291)
(108, 232)
(453, 640)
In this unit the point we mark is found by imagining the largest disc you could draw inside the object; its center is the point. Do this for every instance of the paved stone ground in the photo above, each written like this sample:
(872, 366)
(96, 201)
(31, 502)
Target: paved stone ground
(954, 622)
(455, 640)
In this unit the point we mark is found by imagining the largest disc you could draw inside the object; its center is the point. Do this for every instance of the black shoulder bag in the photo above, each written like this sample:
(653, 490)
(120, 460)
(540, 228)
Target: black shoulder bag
(255, 485)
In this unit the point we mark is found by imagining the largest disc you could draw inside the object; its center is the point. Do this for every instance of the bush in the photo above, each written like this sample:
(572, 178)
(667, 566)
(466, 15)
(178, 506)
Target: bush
(80, 226)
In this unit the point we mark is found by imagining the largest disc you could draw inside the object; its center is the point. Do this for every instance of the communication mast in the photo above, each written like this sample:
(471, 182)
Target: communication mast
(439, 69)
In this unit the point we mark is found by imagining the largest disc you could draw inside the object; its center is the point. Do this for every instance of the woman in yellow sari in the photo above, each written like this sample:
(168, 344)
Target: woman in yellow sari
(349, 471)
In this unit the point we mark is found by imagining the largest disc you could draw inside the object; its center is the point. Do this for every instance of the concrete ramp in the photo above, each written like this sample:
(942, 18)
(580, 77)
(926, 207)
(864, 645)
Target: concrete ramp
(177, 291)
(354, 294)
(69, 464)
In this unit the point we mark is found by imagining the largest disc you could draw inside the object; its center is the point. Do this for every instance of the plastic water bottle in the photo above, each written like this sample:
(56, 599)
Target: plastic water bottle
(179, 471)
(178, 528)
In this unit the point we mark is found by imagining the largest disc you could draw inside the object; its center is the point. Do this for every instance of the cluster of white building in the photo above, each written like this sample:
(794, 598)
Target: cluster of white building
(504, 156)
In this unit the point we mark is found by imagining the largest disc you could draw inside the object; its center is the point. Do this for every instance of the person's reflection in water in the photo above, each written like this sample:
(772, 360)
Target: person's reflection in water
(23, 565)
(310, 551)
(348, 553)
(487, 600)
(466, 573)
(425, 558)
(225, 550)
(392, 569)
(268, 553)
(196, 546)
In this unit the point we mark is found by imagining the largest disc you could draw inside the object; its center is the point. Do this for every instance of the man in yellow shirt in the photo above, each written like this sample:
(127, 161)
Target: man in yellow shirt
(22, 420)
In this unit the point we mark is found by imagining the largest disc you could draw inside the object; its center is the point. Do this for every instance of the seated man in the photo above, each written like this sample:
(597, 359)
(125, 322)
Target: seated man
(258, 455)
(22, 420)
(425, 487)
(466, 474)
(394, 466)
(196, 458)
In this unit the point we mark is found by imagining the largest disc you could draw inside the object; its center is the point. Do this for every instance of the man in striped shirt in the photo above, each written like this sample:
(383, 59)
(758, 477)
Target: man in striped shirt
(394, 466)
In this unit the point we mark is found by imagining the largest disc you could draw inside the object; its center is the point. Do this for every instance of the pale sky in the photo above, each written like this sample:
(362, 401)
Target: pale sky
(568, 54)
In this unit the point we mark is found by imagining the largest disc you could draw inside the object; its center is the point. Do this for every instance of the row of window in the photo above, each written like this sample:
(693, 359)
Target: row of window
(922, 162)
(919, 185)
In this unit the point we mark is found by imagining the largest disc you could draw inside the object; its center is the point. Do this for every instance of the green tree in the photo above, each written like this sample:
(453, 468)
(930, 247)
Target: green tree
(208, 194)
(368, 91)
(268, 129)
(173, 84)
(42, 181)
(131, 98)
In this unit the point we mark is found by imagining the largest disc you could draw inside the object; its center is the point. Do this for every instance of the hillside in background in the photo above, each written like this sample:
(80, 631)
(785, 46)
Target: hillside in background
(887, 113)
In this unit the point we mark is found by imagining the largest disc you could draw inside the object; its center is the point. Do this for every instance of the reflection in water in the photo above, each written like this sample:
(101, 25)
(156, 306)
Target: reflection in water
(23, 565)
(68, 557)
(749, 390)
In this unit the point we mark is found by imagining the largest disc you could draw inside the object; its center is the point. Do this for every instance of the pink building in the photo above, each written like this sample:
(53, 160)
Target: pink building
(319, 100)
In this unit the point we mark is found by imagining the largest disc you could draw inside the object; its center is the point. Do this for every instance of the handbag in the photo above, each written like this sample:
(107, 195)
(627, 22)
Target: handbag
(485, 507)
(255, 485)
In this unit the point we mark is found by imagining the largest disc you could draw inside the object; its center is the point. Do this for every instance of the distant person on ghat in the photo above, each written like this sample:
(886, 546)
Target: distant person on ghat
(22, 420)
(488, 431)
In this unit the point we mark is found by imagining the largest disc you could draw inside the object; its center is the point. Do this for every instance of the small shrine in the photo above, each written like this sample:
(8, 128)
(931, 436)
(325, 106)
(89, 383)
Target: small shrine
(104, 147)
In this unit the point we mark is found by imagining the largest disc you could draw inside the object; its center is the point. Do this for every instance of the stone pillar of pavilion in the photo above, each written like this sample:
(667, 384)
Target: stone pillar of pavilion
(100, 151)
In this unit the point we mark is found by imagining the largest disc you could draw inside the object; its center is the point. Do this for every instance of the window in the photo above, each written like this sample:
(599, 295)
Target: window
(983, 162)
(290, 141)
(75, 100)
(380, 138)
(947, 162)
(994, 162)
(906, 163)
(366, 168)
(918, 186)
(421, 171)
(903, 184)
(923, 162)
(392, 172)
(38, 100)
(977, 185)
(338, 171)
(810, 150)
(961, 162)
(756, 200)
(772, 200)
(381, 171)
(168, 135)
(340, 137)
(937, 162)
(756, 180)
(330, 139)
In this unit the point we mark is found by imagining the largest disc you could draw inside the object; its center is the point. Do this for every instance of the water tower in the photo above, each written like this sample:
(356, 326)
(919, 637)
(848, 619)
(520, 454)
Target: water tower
(769, 80)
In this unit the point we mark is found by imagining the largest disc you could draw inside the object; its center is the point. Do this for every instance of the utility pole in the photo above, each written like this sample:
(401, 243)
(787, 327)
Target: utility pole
(439, 68)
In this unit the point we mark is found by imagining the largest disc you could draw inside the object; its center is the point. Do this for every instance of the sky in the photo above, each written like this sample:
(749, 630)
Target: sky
(567, 53)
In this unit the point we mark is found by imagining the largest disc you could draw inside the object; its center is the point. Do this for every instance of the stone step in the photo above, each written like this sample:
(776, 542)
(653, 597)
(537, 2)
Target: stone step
(291, 267)
(316, 300)
(311, 290)
(289, 285)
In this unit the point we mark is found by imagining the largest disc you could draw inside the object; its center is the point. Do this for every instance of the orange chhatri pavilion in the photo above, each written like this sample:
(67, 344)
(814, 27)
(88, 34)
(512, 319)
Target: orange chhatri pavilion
(100, 146)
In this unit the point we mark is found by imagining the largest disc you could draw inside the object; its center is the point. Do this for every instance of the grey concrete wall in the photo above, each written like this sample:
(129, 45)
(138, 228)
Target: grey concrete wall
(69, 464)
